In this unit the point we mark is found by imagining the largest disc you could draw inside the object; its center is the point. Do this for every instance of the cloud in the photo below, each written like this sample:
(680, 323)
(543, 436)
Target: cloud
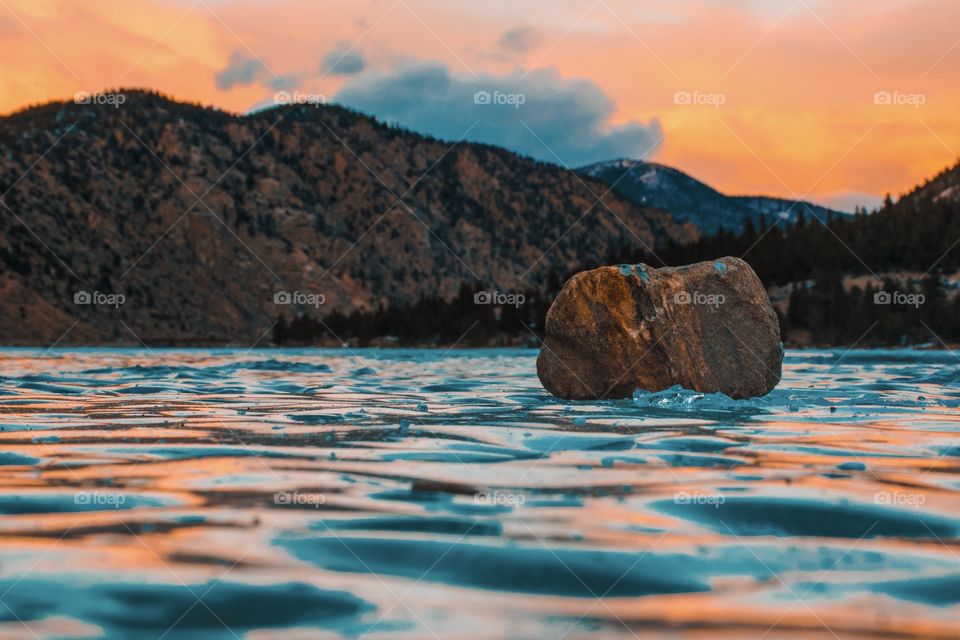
(519, 40)
(242, 71)
(343, 62)
(284, 82)
(538, 114)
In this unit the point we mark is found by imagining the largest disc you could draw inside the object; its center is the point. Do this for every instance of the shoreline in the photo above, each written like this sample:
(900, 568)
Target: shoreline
(405, 347)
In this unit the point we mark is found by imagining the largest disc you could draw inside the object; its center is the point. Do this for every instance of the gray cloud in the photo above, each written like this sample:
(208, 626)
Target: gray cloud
(539, 114)
(242, 71)
(284, 83)
(342, 62)
(519, 40)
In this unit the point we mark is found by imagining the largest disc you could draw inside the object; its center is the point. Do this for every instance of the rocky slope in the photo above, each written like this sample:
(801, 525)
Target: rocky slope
(199, 218)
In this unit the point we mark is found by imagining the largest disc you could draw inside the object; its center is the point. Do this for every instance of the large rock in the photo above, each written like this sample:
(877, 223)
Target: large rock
(707, 326)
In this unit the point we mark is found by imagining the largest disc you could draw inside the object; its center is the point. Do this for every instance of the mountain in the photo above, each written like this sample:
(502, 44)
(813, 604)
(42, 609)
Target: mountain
(918, 233)
(690, 201)
(890, 277)
(783, 210)
(944, 188)
(170, 223)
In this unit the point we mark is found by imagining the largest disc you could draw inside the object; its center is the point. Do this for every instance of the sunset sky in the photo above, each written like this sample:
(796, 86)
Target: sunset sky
(777, 97)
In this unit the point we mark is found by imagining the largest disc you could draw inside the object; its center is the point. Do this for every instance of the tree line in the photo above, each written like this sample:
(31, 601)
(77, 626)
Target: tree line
(906, 250)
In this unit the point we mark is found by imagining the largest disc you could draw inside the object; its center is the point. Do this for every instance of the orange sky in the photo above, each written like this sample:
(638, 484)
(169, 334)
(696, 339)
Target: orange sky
(796, 79)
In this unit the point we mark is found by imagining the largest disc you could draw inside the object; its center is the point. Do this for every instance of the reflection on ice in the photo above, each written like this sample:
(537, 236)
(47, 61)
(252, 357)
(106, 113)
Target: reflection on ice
(308, 490)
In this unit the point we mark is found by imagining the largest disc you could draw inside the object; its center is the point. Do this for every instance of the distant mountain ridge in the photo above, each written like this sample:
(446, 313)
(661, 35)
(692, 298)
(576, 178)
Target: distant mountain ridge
(691, 201)
(201, 219)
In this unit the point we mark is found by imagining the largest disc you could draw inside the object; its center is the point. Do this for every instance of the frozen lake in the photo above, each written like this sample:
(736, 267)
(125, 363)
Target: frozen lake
(422, 493)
